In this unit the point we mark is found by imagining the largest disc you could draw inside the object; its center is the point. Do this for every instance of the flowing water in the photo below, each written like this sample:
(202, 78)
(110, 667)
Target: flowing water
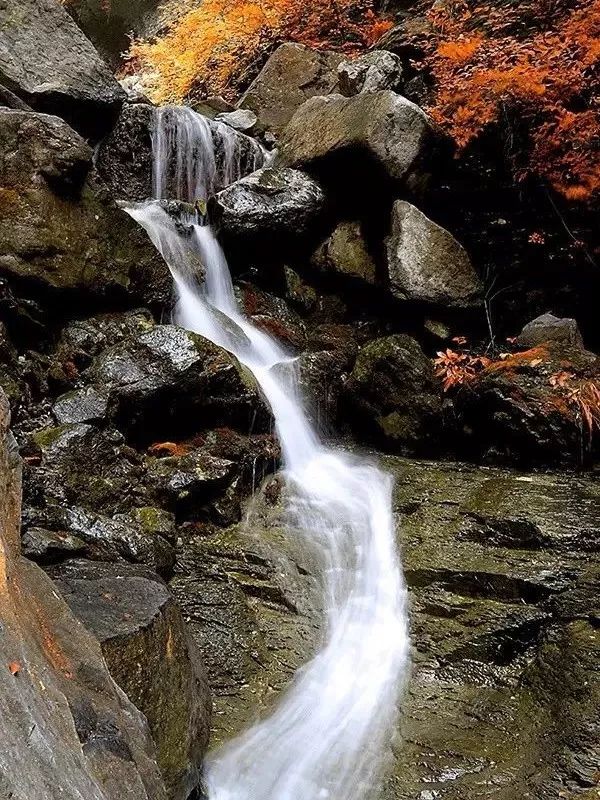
(329, 735)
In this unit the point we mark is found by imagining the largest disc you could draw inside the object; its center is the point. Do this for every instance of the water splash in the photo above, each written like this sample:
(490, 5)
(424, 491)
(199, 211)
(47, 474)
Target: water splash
(329, 735)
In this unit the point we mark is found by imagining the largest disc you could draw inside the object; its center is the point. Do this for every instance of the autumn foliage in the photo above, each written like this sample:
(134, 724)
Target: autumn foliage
(533, 65)
(216, 49)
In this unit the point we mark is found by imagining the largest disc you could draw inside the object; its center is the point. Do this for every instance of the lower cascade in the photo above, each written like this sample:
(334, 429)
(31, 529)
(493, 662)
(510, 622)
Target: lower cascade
(329, 734)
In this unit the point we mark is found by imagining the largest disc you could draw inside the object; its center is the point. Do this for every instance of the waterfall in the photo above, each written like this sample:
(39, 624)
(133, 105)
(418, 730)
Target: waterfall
(329, 734)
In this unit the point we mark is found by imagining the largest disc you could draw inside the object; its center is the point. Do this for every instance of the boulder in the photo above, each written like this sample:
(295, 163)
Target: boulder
(174, 381)
(534, 408)
(345, 253)
(46, 60)
(66, 729)
(426, 264)
(242, 120)
(59, 229)
(272, 315)
(392, 395)
(548, 328)
(378, 69)
(291, 75)
(150, 656)
(379, 135)
(270, 206)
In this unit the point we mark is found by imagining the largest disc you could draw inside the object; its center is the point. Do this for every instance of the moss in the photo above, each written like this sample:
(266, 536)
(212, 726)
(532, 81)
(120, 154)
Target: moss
(48, 436)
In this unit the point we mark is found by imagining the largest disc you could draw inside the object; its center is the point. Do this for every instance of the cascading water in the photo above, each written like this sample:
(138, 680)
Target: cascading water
(328, 736)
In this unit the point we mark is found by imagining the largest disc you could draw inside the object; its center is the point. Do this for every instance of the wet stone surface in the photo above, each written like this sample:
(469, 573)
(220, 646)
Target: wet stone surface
(503, 571)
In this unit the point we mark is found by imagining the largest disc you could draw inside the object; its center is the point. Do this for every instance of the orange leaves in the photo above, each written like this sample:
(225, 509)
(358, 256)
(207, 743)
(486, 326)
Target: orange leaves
(14, 667)
(537, 60)
(217, 47)
(456, 368)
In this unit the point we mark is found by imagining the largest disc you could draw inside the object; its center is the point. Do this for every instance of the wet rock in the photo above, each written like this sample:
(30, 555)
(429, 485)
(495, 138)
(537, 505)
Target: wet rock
(272, 315)
(298, 293)
(271, 205)
(291, 75)
(45, 547)
(548, 328)
(190, 480)
(346, 254)
(378, 135)
(81, 405)
(59, 230)
(426, 264)
(376, 70)
(150, 656)
(392, 394)
(242, 120)
(172, 380)
(47, 61)
(504, 648)
(66, 727)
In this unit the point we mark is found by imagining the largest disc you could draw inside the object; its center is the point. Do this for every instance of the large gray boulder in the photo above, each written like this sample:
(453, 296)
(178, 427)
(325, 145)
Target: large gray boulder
(374, 131)
(269, 205)
(378, 69)
(291, 75)
(151, 657)
(46, 60)
(392, 395)
(426, 264)
(59, 229)
(66, 729)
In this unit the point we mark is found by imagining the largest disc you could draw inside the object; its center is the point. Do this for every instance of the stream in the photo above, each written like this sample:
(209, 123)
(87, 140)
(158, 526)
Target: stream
(330, 733)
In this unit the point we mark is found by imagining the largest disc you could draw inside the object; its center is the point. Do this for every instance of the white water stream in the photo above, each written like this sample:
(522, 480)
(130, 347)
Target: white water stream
(331, 731)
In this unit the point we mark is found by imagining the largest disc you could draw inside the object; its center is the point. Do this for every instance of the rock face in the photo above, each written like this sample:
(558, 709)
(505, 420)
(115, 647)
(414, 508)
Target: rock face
(426, 264)
(46, 60)
(392, 395)
(548, 328)
(373, 132)
(59, 230)
(346, 253)
(271, 205)
(66, 729)
(503, 573)
(291, 75)
(150, 656)
(371, 72)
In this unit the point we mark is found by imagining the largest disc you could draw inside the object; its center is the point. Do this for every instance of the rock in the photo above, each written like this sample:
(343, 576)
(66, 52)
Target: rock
(81, 405)
(298, 293)
(59, 231)
(190, 480)
(346, 254)
(45, 547)
(125, 156)
(392, 395)
(270, 206)
(378, 135)
(426, 264)
(530, 408)
(291, 75)
(150, 656)
(175, 381)
(548, 328)
(495, 628)
(66, 729)
(242, 120)
(111, 30)
(405, 38)
(272, 315)
(47, 61)
(376, 70)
